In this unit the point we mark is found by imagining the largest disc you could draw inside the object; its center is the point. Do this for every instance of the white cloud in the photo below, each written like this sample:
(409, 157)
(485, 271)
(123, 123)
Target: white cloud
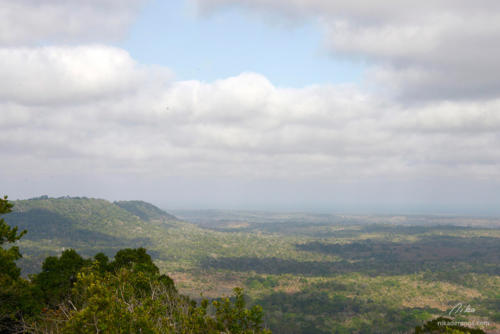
(421, 50)
(128, 120)
(67, 111)
(35, 21)
(70, 75)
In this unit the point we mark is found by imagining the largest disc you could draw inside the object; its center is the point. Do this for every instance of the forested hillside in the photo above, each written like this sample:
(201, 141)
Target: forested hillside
(311, 273)
(128, 294)
(88, 225)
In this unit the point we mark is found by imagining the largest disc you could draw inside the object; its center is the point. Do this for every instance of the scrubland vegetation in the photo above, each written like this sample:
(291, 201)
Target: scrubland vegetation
(309, 273)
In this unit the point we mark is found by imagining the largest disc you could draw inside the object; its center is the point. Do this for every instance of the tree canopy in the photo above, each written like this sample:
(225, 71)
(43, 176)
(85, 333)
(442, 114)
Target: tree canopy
(126, 295)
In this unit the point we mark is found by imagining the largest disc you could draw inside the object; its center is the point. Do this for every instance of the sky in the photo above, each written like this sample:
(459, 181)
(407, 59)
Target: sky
(282, 105)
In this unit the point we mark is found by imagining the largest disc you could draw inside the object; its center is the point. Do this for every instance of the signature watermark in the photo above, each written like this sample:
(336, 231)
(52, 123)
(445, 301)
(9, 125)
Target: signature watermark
(471, 324)
(461, 308)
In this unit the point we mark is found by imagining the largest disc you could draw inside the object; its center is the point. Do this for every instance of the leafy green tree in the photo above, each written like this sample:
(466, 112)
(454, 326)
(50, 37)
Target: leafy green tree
(134, 259)
(234, 317)
(58, 276)
(17, 298)
(8, 234)
(130, 296)
(126, 295)
(101, 263)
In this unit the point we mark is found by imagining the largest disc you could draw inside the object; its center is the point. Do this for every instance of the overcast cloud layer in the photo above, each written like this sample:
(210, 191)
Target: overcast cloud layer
(35, 21)
(242, 125)
(91, 107)
(419, 50)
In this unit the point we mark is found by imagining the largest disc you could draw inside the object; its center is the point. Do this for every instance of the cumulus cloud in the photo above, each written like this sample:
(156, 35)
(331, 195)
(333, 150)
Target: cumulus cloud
(71, 74)
(128, 120)
(33, 21)
(71, 110)
(421, 51)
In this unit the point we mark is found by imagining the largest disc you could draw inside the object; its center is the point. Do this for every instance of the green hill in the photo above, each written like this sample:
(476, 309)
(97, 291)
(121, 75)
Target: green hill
(95, 214)
(144, 210)
(126, 294)
(311, 276)
(86, 224)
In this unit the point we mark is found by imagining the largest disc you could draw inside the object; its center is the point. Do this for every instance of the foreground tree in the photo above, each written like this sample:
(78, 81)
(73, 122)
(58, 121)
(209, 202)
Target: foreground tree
(8, 256)
(130, 296)
(18, 299)
(127, 295)
(58, 276)
(124, 299)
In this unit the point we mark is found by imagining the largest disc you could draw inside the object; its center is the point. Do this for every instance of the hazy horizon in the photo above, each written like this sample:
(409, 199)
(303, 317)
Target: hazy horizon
(388, 209)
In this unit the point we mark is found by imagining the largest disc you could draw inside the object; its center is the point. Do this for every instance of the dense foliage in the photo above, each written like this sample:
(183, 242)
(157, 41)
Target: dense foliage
(129, 295)
(16, 294)
(311, 274)
(126, 295)
(144, 210)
